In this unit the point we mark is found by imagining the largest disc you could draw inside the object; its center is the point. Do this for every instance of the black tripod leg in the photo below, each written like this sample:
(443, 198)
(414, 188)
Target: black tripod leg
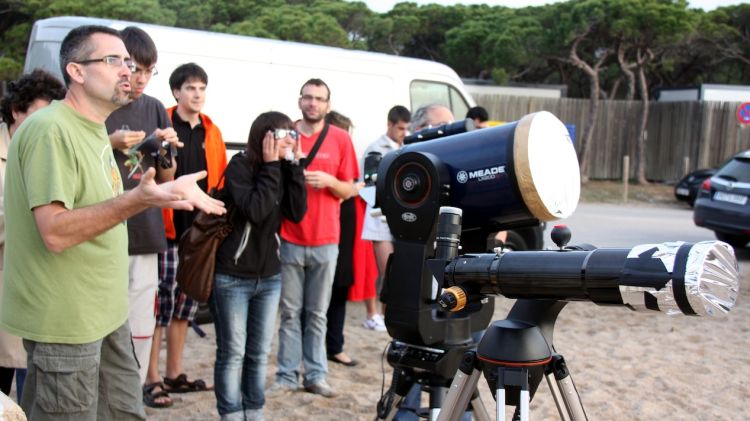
(389, 403)
(564, 391)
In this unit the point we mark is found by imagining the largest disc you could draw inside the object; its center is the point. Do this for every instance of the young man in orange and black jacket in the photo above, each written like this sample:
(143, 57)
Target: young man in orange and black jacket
(203, 149)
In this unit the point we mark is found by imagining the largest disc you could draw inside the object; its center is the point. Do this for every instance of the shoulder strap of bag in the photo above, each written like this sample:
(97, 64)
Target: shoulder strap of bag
(316, 146)
(214, 191)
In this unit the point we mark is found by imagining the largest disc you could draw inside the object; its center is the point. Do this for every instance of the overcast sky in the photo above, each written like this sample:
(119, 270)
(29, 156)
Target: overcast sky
(382, 6)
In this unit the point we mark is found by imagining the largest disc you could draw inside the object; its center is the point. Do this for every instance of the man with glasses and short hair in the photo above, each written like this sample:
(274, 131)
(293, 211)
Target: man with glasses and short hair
(203, 150)
(309, 249)
(127, 128)
(66, 259)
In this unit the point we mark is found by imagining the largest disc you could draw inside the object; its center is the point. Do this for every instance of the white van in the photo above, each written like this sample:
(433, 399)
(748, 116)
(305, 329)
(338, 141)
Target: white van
(247, 76)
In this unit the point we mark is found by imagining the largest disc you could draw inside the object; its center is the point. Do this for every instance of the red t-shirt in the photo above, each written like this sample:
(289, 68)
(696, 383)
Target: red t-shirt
(321, 224)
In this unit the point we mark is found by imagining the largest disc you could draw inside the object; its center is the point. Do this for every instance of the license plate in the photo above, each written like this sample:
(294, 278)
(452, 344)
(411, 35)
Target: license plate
(683, 191)
(738, 199)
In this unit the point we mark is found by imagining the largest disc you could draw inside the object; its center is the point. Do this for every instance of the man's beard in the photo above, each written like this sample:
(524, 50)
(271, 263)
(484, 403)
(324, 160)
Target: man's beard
(120, 97)
(121, 100)
(309, 120)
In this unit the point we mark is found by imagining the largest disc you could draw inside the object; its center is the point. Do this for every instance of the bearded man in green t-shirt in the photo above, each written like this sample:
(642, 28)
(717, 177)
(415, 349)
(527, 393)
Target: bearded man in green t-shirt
(66, 261)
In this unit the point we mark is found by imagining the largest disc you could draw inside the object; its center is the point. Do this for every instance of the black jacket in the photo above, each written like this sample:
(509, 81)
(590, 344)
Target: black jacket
(277, 190)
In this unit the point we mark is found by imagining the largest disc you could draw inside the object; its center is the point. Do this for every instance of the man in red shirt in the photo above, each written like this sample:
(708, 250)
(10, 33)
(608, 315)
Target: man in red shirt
(310, 248)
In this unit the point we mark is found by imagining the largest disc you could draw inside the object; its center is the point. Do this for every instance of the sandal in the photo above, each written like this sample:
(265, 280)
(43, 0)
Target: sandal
(151, 398)
(180, 384)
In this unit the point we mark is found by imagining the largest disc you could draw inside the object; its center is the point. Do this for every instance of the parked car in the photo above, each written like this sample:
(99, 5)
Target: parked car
(722, 202)
(687, 188)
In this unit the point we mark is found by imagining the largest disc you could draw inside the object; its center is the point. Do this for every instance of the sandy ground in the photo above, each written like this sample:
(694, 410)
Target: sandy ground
(626, 365)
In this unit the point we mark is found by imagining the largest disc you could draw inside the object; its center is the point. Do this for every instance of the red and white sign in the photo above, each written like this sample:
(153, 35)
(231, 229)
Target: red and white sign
(743, 113)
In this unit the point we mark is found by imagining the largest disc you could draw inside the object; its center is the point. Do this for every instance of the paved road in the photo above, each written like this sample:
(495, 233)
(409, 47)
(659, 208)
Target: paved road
(609, 225)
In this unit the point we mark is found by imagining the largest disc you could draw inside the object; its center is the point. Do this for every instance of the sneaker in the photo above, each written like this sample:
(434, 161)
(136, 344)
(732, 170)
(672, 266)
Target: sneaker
(321, 388)
(233, 416)
(278, 388)
(254, 415)
(375, 323)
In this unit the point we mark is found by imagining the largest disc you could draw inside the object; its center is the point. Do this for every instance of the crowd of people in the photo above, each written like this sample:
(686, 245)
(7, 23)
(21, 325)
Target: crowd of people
(96, 200)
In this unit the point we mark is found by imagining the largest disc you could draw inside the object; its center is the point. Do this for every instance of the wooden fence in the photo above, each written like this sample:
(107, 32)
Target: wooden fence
(701, 133)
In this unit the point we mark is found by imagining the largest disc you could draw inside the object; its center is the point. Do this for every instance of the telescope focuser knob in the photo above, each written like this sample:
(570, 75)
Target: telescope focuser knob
(453, 299)
(560, 235)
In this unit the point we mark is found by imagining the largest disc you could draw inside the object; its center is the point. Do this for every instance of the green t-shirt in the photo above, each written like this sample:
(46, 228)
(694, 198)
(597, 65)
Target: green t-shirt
(81, 294)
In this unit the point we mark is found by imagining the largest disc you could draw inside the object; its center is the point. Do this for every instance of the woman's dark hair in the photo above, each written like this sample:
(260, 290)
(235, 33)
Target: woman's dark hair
(28, 88)
(263, 123)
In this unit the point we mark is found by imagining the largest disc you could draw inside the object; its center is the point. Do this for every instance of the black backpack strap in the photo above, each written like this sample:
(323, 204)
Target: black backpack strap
(316, 146)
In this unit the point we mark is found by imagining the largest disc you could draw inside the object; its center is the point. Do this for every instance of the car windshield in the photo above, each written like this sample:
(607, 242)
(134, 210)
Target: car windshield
(737, 169)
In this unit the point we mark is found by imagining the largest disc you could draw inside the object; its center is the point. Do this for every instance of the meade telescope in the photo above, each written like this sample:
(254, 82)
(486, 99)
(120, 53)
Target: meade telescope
(442, 199)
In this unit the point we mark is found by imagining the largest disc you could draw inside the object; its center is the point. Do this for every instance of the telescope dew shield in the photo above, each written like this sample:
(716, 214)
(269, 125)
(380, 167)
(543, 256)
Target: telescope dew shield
(546, 165)
(676, 278)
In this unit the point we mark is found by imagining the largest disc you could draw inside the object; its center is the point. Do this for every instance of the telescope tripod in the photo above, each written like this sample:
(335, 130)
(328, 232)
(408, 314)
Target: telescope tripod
(511, 385)
(514, 355)
(408, 379)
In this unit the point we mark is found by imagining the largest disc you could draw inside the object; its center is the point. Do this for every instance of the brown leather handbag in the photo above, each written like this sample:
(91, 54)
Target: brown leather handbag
(197, 252)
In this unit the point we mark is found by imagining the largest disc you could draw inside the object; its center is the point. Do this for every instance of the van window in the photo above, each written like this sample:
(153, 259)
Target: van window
(46, 55)
(423, 92)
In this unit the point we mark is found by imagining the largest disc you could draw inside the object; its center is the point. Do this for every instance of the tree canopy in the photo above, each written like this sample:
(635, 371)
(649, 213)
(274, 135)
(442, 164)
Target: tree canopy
(525, 45)
(599, 49)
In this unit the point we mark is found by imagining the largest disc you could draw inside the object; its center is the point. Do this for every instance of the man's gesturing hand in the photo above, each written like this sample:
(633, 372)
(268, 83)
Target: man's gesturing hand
(182, 193)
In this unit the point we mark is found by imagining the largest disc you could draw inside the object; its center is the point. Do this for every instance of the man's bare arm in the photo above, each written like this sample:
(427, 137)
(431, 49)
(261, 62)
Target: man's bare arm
(343, 189)
(63, 228)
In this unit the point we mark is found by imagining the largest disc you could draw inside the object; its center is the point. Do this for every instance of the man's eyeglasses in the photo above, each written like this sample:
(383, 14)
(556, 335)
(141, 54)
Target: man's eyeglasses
(145, 72)
(309, 98)
(279, 134)
(114, 61)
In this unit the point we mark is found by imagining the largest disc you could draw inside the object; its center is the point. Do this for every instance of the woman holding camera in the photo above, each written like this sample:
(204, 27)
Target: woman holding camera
(264, 184)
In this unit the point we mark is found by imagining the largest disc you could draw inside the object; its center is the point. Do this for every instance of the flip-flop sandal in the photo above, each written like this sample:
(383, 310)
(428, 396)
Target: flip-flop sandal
(150, 398)
(180, 384)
